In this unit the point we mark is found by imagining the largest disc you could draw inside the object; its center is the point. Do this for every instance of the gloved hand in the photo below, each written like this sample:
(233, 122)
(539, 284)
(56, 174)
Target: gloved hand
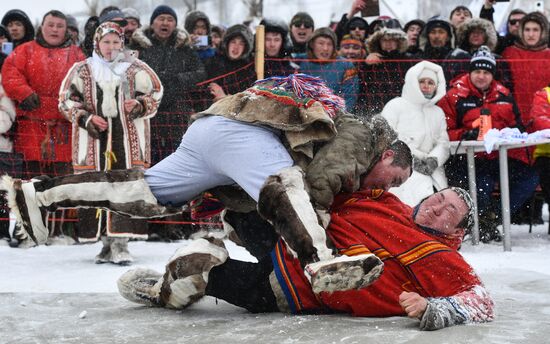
(30, 103)
(425, 166)
(470, 135)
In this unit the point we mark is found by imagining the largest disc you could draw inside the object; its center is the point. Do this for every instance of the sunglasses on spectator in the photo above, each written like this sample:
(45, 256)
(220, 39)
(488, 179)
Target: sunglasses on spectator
(513, 21)
(306, 24)
(360, 27)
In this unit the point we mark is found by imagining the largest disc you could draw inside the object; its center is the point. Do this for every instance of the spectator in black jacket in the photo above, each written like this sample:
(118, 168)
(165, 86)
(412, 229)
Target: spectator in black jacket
(166, 49)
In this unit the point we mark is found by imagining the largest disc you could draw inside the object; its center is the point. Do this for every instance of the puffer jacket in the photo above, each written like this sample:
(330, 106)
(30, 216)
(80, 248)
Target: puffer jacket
(462, 106)
(33, 67)
(421, 124)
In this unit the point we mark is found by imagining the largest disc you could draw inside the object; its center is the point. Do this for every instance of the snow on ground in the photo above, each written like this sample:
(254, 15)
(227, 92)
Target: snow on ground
(56, 294)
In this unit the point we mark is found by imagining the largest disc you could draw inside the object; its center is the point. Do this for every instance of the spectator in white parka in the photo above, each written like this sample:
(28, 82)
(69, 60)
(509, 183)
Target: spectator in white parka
(421, 124)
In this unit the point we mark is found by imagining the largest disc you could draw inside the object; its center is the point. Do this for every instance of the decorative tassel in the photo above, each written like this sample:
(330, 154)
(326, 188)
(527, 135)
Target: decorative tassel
(306, 86)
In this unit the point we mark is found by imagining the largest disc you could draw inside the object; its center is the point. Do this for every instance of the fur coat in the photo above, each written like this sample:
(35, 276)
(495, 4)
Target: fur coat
(333, 153)
(81, 97)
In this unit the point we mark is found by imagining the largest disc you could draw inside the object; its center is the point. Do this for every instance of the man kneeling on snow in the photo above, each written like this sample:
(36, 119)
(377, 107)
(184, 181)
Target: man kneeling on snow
(424, 276)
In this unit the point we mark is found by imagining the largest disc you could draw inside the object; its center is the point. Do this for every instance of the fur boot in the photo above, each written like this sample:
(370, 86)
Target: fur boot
(285, 203)
(184, 281)
(104, 256)
(119, 252)
(122, 191)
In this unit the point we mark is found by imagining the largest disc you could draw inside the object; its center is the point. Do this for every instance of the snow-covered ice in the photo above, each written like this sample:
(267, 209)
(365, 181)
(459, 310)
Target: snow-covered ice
(56, 294)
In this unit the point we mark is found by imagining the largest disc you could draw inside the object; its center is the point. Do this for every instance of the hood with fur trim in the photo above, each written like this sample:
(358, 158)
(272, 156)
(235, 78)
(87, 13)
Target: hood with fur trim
(238, 30)
(322, 32)
(193, 17)
(373, 43)
(143, 38)
(463, 32)
(539, 18)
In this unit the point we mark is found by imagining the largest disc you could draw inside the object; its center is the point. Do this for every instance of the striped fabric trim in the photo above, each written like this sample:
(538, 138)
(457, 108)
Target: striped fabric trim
(382, 254)
(283, 277)
(354, 250)
(421, 251)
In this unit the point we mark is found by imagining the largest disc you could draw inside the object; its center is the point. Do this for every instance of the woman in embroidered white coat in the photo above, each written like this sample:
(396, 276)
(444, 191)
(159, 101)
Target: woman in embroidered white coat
(109, 99)
(421, 124)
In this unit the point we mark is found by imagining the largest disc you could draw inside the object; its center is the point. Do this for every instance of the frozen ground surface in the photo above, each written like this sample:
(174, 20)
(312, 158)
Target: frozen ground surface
(56, 294)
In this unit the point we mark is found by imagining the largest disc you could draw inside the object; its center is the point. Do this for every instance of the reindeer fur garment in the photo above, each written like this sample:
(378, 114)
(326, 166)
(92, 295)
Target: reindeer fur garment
(349, 147)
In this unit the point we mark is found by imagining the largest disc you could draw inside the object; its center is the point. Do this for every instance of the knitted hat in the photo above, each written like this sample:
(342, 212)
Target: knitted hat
(163, 9)
(71, 22)
(131, 13)
(417, 22)
(465, 196)
(302, 18)
(111, 15)
(483, 59)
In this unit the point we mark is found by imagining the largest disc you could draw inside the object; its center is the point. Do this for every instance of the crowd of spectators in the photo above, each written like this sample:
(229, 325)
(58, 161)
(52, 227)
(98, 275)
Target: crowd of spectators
(474, 70)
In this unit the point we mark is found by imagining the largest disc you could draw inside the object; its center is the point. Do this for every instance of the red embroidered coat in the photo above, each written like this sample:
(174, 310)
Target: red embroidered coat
(413, 261)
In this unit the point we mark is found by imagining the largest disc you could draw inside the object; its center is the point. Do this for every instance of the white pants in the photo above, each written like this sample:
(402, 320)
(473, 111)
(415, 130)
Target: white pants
(217, 151)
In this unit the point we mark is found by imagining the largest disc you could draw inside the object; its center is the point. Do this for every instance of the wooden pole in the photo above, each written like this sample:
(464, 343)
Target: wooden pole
(260, 51)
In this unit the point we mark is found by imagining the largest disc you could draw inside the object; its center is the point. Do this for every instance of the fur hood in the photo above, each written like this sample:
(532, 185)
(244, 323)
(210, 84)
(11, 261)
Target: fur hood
(373, 43)
(238, 30)
(411, 89)
(193, 17)
(543, 22)
(464, 30)
(142, 38)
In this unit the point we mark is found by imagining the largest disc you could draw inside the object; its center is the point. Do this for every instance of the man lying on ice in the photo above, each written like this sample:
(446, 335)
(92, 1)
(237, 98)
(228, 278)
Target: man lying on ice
(261, 139)
(424, 276)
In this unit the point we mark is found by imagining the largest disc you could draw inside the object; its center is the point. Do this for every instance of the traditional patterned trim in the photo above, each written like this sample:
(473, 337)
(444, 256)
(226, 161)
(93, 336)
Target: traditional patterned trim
(283, 276)
(421, 251)
(354, 250)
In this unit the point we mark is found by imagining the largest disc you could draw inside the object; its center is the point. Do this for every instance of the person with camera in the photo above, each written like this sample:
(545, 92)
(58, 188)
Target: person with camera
(198, 26)
(474, 99)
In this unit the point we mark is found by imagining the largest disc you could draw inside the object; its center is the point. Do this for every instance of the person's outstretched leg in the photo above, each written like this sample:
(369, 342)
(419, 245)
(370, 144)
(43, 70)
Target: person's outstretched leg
(122, 191)
(184, 281)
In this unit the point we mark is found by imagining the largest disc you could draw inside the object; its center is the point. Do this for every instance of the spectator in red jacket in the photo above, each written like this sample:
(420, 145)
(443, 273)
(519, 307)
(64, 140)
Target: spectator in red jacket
(31, 76)
(529, 60)
(471, 96)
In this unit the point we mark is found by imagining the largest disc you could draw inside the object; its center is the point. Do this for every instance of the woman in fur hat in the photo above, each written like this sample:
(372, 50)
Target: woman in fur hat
(109, 101)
